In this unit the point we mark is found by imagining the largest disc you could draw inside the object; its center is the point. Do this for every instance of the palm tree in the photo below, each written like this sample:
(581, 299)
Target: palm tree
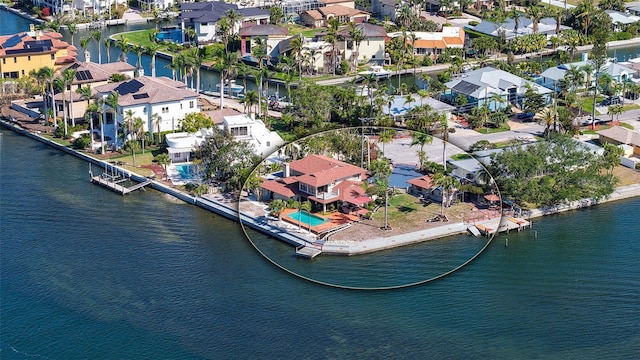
(139, 50)
(73, 28)
(163, 160)
(67, 78)
(536, 13)
(122, 43)
(128, 121)
(250, 99)
(92, 109)
(85, 92)
(152, 50)
(83, 44)
(297, 44)
(386, 136)
(357, 35)
(515, 14)
(112, 101)
(97, 36)
(107, 44)
(156, 120)
(133, 145)
(586, 10)
(421, 139)
(446, 183)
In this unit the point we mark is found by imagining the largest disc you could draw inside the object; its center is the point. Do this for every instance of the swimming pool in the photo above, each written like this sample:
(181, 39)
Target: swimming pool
(306, 218)
(186, 171)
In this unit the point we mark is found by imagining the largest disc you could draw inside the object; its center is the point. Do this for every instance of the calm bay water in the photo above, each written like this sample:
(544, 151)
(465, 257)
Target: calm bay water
(86, 273)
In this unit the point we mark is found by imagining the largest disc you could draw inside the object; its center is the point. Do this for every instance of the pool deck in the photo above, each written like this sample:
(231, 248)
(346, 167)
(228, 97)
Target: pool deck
(335, 220)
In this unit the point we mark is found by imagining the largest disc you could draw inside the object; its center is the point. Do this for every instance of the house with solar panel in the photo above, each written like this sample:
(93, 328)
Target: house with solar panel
(160, 102)
(90, 74)
(23, 52)
(204, 16)
(481, 86)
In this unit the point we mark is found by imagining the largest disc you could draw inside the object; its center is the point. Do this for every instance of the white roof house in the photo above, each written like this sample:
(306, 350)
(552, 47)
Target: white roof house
(546, 26)
(551, 76)
(400, 107)
(243, 128)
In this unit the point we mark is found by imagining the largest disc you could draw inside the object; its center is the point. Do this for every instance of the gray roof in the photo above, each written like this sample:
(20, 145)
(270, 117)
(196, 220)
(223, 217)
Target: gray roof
(488, 80)
(470, 165)
(525, 26)
(400, 107)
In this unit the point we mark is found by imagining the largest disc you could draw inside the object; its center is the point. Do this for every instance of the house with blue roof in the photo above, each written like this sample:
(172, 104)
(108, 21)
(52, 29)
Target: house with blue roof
(550, 78)
(482, 85)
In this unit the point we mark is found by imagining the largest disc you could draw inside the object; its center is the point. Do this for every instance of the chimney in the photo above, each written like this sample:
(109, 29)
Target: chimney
(87, 56)
(32, 27)
(140, 71)
(287, 171)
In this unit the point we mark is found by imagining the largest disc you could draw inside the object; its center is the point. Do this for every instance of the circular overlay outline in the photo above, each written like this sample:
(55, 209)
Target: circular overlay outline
(400, 286)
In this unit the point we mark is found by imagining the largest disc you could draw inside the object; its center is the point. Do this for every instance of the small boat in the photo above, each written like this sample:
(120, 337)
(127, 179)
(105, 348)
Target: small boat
(235, 88)
(378, 71)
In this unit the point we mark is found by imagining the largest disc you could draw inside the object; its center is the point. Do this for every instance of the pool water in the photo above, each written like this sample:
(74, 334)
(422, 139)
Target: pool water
(306, 218)
(186, 171)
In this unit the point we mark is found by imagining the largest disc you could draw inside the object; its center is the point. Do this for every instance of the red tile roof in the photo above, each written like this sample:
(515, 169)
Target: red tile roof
(280, 188)
(318, 170)
(425, 182)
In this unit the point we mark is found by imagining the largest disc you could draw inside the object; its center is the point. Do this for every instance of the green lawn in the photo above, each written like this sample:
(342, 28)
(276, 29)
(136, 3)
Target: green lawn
(399, 207)
(625, 125)
(140, 37)
(485, 130)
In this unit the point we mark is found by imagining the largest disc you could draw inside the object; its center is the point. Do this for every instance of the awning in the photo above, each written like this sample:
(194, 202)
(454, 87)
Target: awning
(359, 200)
(492, 197)
(172, 150)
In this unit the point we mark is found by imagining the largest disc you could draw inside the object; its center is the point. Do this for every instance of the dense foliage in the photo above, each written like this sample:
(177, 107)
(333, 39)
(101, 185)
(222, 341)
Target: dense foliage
(551, 172)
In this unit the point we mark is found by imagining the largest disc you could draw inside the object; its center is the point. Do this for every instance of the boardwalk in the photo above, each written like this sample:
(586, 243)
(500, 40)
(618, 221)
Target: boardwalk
(114, 183)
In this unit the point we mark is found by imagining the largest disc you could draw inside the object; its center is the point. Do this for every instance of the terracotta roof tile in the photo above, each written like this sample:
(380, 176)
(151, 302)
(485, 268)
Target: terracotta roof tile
(425, 182)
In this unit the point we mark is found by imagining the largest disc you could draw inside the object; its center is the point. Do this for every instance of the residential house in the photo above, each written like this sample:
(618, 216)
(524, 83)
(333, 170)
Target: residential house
(324, 181)
(433, 43)
(320, 17)
(346, 3)
(399, 107)
(83, 7)
(271, 34)
(550, 78)
(465, 169)
(243, 128)
(149, 5)
(621, 20)
(546, 26)
(91, 74)
(23, 52)
(619, 135)
(634, 10)
(159, 101)
(424, 188)
(482, 85)
(370, 49)
(204, 16)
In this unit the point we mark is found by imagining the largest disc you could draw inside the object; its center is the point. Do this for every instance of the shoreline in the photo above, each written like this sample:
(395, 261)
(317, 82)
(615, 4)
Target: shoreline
(339, 247)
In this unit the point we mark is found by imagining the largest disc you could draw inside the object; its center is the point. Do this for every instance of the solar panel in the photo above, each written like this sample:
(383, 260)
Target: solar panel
(84, 75)
(12, 41)
(75, 66)
(141, 96)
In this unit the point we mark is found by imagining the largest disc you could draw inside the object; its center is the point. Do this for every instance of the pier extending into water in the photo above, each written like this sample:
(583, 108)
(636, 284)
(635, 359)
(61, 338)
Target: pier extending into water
(113, 181)
(499, 225)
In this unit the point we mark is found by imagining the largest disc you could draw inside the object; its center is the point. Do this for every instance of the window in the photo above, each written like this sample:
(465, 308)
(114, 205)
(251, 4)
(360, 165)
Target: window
(268, 143)
(53, 56)
(180, 106)
(22, 72)
(15, 59)
(239, 131)
(29, 58)
(191, 104)
(4, 61)
(165, 109)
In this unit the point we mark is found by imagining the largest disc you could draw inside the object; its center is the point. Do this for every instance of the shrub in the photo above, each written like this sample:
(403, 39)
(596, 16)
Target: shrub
(82, 142)
(473, 23)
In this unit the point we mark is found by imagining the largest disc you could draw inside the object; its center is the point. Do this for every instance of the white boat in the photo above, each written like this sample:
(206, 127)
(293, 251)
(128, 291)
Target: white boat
(378, 71)
(235, 88)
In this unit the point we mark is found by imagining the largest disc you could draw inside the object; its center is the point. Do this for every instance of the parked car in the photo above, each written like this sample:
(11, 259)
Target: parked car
(588, 121)
(526, 115)
(611, 100)
(603, 121)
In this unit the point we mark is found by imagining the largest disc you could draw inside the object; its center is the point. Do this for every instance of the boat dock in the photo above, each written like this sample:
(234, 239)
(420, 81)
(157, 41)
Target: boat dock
(307, 251)
(113, 182)
(499, 225)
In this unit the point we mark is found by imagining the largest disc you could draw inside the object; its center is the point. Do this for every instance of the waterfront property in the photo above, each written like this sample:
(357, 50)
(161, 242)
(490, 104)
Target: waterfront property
(480, 86)
(159, 101)
(546, 26)
(327, 183)
(433, 43)
(203, 17)
(399, 107)
(551, 77)
(272, 35)
(423, 187)
(29, 51)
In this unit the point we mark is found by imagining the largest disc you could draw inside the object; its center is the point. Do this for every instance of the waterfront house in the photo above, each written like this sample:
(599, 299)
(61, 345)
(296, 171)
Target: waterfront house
(619, 135)
(204, 16)
(23, 52)
(272, 35)
(243, 128)
(620, 20)
(159, 101)
(479, 86)
(546, 26)
(433, 43)
(320, 17)
(399, 106)
(91, 74)
(424, 188)
(551, 77)
(325, 182)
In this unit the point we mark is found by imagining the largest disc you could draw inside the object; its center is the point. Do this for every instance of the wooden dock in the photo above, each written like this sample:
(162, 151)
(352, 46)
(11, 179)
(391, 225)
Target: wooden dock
(114, 183)
(308, 252)
(504, 224)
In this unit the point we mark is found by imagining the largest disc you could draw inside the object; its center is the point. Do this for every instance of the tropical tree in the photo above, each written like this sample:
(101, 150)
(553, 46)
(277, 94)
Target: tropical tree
(386, 136)
(73, 28)
(68, 75)
(357, 35)
(421, 139)
(446, 183)
(277, 206)
(163, 160)
(156, 120)
(133, 146)
(97, 36)
(85, 92)
(122, 43)
(107, 44)
(112, 101)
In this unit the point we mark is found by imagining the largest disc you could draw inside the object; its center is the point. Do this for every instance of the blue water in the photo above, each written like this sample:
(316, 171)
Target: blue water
(185, 171)
(86, 273)
(307, 219)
